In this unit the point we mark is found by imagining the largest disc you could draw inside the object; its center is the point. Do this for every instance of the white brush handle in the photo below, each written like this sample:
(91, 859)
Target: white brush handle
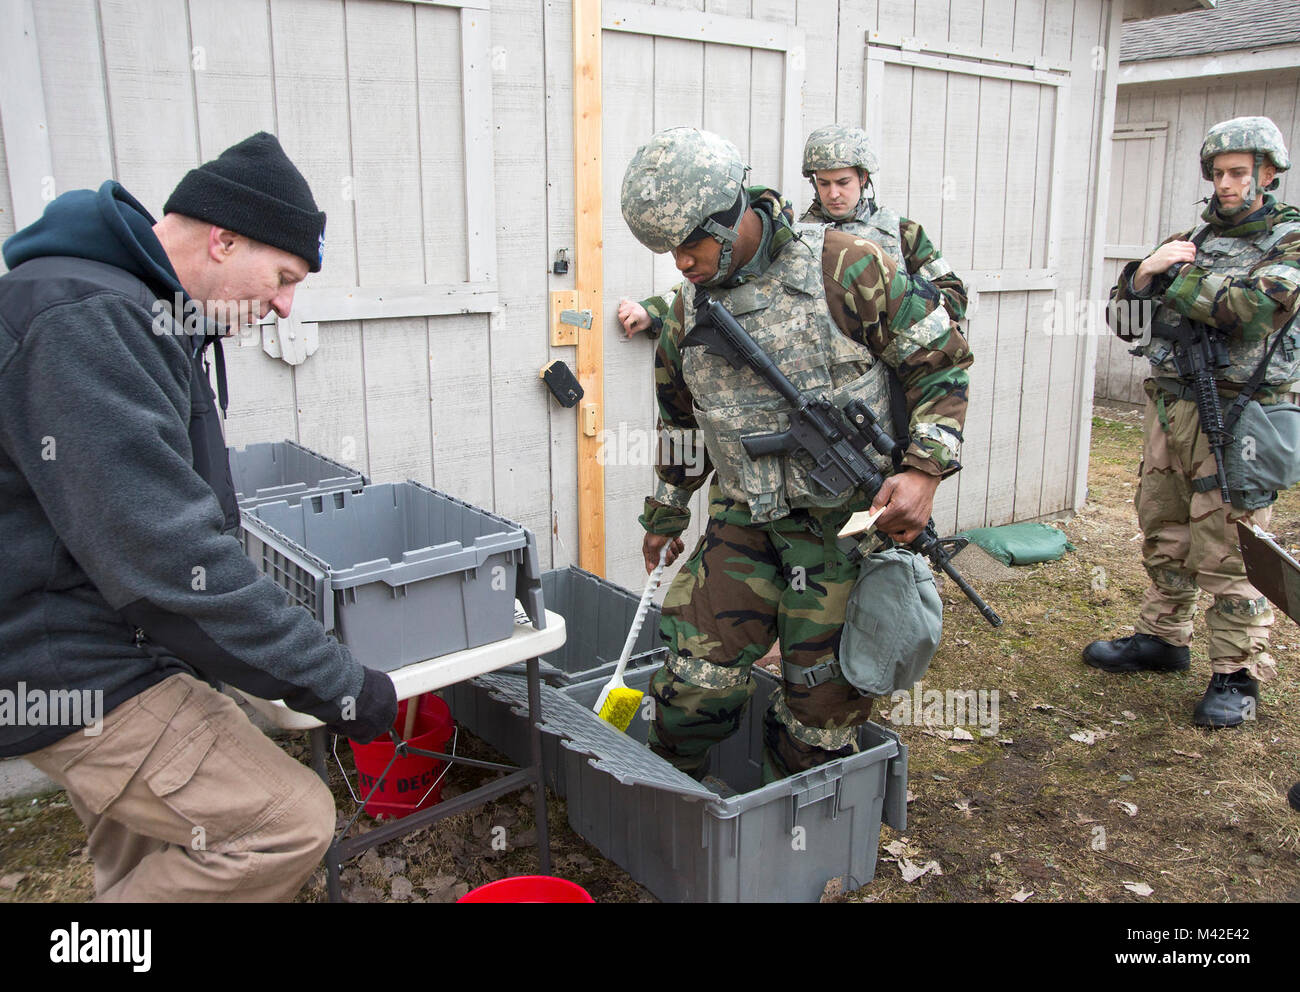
(642, 609)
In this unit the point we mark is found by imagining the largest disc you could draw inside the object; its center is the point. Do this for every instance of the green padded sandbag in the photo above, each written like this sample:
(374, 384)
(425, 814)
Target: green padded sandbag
(1020, 544)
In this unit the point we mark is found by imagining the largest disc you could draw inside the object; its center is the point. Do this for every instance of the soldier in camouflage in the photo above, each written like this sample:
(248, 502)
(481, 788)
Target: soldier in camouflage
(833, 311)
(839, 162)
(1239, 274)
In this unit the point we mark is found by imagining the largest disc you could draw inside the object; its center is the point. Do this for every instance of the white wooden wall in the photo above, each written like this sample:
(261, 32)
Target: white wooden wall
(366, 95)
(1171, 184)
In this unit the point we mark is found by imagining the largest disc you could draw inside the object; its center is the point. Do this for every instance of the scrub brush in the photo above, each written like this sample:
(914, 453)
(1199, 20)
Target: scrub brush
(617, 704)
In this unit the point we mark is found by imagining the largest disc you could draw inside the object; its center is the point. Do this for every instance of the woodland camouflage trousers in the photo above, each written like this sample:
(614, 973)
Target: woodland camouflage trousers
(744, 587)
(1190, 541)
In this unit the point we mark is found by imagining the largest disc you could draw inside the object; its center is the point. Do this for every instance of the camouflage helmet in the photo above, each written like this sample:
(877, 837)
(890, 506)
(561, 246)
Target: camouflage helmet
(838, 146)
(1244, 134)
(676, 182)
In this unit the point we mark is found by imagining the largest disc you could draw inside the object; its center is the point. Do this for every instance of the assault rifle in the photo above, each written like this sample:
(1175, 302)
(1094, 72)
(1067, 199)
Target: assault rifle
(1198, 353)
(833, 439)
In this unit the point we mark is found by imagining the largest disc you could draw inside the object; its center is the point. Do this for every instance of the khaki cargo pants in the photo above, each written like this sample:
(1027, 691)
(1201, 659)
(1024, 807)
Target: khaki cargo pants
(184, 800)
(1190, 541)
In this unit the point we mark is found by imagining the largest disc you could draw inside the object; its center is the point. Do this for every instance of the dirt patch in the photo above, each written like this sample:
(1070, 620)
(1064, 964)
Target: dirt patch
(1091, 787)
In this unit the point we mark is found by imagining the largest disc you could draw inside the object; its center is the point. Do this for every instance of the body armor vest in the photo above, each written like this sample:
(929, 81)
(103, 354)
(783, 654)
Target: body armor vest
(1235, 257)
(785, 312)
(884, 227)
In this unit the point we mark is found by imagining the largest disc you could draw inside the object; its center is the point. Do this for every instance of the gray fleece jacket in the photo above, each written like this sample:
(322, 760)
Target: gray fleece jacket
(117, 568)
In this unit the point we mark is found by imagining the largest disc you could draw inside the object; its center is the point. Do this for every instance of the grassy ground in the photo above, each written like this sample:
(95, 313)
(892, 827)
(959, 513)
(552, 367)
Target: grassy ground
(1028, 812)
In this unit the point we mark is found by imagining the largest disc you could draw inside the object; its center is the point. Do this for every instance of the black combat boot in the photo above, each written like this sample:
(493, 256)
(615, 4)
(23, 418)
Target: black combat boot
(1230, 700)
(1137, 653)
(1293, 797)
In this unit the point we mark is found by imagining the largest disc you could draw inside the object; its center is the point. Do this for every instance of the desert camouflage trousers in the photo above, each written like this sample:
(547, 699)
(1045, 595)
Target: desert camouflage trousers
(743, 588)
(1190, 542)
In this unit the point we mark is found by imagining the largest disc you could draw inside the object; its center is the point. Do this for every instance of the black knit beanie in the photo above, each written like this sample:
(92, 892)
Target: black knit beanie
(253, 189)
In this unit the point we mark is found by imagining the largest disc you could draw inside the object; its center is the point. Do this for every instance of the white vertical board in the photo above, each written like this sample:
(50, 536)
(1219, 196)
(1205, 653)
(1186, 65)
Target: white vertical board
(72, 74)
(22, 112)
(230, 57)
(309, 50)
(309, 53)
(519, 332)
(561, 539)
(1070, 354)
(230, 61)
(442, 135)
(390, 233)
(820, 22)
(460, 369)
(631, 63)
(6, 204)
(331, 393)
(151, 94)
(857, 17)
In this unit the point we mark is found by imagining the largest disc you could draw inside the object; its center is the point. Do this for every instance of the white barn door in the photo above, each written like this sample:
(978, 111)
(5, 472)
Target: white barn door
(973, 148)
(1132, 230)
(666, 65)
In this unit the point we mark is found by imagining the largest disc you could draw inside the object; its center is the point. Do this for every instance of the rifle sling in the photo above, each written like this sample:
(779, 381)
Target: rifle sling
(1180, 389)
(899, 412)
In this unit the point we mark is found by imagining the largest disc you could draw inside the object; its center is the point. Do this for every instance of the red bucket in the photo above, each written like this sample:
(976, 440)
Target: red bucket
(528, 888)
(404, 788)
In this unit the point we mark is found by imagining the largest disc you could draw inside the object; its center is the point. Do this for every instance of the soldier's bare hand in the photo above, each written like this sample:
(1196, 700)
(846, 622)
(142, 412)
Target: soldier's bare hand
(908, 498)
(654, 543)
(1161, 260)
(633, 317)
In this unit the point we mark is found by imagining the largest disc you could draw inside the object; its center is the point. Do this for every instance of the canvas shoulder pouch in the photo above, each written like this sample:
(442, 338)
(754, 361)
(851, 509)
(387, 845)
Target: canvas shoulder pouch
(1264, 458)
(892, 623)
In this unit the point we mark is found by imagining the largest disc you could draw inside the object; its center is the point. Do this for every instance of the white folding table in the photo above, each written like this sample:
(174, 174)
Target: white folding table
(526, 644)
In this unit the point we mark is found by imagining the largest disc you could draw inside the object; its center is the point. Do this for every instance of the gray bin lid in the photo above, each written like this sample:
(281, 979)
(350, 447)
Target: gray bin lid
(580, 730)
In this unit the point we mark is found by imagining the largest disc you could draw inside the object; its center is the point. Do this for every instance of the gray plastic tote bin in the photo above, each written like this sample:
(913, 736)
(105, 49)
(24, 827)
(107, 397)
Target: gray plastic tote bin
(285, 470)
(597, 616)
(684, 842)
(398, 571)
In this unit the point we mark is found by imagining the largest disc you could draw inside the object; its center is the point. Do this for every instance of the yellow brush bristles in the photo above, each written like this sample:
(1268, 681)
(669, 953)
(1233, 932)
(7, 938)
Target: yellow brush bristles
(620, 707)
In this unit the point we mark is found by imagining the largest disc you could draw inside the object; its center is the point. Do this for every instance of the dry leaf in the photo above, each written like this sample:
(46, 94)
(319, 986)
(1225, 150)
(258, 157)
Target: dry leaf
(1187, 754)
(1044, 706)
(1129, 715)
(1140, 888)
(1006, 740)
(10, 882)
(911, 872)
(1013, 694)
(1128, 808)
(961, 734)
(1021, 896)
(1088, 737)
(996, 857)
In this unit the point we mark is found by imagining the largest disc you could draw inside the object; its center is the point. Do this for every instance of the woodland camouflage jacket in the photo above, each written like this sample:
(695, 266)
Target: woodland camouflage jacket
(918, 251)
(1247, 307)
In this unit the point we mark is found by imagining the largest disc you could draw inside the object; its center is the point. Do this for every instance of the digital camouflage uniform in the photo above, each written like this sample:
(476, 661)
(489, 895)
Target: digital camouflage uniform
(1245, 282)
(769, 569)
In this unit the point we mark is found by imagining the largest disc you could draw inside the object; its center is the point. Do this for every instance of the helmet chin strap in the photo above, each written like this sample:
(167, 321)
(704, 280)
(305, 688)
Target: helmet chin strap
(725, 236)
(1250, 194)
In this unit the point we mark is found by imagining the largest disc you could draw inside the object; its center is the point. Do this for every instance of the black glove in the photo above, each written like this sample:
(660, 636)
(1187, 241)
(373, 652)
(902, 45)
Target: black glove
(376, 710)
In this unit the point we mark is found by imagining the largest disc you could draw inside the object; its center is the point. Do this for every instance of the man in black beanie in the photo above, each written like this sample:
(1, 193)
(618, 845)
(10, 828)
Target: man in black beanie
(125, 592)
